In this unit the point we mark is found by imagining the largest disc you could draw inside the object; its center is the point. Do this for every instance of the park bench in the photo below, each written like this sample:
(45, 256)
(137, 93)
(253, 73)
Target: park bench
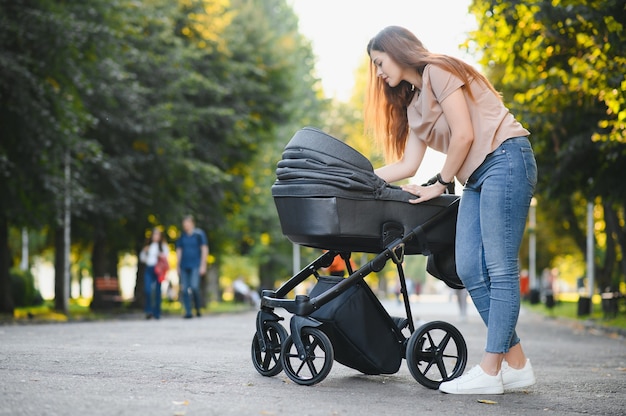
(610, 302)
(106, 293)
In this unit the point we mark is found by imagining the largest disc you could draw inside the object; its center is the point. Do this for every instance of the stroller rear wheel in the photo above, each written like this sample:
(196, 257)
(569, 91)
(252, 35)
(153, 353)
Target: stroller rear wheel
(436, 352)
(267, 362)
(318, 360)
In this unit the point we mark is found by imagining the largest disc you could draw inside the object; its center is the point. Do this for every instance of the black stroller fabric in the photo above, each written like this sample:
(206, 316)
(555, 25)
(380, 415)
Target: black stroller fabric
(324, 166)
(328, 196)
(362, 335)
(443, 266)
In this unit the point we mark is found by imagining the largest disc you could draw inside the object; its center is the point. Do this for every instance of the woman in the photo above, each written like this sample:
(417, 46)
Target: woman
(154, 248)
(418, 99)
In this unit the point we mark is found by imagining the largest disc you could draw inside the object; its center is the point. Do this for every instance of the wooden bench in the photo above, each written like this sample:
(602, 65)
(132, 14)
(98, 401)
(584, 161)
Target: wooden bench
(106, 293)
(610, 303)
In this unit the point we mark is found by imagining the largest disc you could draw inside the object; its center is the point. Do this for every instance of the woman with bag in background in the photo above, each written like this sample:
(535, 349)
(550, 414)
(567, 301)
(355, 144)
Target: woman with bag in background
(154, 256)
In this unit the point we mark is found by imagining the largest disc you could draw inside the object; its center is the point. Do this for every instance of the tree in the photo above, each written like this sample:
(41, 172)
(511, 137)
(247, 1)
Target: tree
(560, 66)
(42, 117)
(164, 108)
(284, 98)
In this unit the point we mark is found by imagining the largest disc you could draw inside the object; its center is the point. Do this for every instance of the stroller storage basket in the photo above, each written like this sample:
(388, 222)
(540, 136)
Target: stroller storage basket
(359, 328)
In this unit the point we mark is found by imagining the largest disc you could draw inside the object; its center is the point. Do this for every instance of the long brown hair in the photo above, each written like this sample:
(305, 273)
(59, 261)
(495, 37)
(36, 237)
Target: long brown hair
(162, 239)
(385, 106)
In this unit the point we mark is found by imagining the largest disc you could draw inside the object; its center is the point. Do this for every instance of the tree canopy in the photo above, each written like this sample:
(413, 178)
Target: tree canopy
(156, 108)
(560, 66)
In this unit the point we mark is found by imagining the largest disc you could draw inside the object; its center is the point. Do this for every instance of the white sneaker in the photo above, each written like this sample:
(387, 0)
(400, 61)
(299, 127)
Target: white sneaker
(475, 381)
(513, 378)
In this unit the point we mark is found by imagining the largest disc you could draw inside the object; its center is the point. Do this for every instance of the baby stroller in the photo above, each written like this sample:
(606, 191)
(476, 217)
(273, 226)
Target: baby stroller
(328, 197)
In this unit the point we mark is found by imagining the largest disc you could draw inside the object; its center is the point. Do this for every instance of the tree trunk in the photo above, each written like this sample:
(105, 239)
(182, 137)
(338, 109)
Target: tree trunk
(60, 297)
(621, 237)
(104, 262)
(63, 244)
(615, 239)
(139, 297)
(211, 286)
(98, 255)
(579, 235)
(6, 294)
(272, 270)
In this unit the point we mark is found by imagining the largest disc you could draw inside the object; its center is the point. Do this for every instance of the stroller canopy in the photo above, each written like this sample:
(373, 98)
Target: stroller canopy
(316, 164)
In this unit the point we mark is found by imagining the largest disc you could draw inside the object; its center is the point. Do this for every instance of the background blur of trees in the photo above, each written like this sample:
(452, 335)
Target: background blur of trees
(129, 115)
(142, 112)
(561, 67)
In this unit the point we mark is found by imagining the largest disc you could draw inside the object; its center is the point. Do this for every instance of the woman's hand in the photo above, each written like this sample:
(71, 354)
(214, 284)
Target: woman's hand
(424, 193)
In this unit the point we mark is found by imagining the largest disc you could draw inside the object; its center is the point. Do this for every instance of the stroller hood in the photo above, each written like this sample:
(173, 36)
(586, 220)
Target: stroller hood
(321, 165)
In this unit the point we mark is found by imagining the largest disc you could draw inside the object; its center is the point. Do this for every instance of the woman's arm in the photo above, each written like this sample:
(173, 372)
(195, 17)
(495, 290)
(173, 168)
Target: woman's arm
(407, 166)
(143, 255)
(461, 133)
(461, 137)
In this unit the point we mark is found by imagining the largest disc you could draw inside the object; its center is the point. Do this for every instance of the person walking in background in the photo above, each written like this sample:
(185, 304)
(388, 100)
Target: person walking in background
(155, 248)
(461, 296)
(192, 249)
(418, 99)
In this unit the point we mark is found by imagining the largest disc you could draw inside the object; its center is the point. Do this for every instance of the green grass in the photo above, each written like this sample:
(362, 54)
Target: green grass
(569, 309)
(79, 310)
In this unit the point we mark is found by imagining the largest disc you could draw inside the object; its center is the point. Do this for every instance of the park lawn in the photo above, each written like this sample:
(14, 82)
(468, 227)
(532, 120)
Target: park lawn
(79, 310)
(567, 307)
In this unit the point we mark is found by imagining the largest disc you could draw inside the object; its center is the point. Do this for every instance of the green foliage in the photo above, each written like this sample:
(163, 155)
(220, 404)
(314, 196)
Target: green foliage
(41, 66)
(164, 108)
(23, 287)
(569, 310)
(283, 99)
(560, 67)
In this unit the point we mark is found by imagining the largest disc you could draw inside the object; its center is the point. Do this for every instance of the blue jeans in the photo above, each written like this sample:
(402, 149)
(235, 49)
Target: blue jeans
(152, 292)
(490, 226)
(190, 288)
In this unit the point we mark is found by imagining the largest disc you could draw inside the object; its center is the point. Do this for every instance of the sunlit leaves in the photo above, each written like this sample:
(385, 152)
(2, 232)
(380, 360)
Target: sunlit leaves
(575, 47)
(561, 66)
(169, 107)
(206, 21)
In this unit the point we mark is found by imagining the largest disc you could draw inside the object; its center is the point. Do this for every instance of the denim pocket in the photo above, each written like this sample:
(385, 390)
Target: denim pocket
(530, 164)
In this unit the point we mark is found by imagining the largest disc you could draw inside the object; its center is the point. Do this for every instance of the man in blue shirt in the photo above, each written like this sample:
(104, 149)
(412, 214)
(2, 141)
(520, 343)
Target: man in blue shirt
(192, 249)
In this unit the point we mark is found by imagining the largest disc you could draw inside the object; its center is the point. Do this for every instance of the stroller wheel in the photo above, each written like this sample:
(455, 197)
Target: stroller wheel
(317, 362)
(436, 352)
(267, 362)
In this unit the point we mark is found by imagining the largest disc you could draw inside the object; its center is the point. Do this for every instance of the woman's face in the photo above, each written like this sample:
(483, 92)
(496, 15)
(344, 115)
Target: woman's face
(386, 68)
(156, 235)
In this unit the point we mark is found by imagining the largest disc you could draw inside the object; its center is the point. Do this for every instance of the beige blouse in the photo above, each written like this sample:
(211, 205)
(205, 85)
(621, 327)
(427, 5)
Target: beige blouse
(491, 120)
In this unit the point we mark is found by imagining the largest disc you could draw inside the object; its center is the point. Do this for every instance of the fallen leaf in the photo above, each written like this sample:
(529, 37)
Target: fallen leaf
(487, 401)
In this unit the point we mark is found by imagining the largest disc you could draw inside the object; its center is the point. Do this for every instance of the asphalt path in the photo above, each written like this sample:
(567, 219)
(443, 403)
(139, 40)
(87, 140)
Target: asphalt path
(202, 366)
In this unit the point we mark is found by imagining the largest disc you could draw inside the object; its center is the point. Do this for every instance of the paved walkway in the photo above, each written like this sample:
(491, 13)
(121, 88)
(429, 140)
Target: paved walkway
(203, 367)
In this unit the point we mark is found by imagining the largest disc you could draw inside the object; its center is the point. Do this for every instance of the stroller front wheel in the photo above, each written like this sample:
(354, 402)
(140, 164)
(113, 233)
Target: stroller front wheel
(318, 359)
(436, 352)
(268, 362)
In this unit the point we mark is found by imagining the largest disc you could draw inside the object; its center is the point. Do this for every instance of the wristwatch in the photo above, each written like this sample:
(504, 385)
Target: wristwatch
(444, 183)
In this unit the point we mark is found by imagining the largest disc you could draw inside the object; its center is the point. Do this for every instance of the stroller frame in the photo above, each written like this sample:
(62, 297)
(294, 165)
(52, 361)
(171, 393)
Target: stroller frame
(435, 352)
